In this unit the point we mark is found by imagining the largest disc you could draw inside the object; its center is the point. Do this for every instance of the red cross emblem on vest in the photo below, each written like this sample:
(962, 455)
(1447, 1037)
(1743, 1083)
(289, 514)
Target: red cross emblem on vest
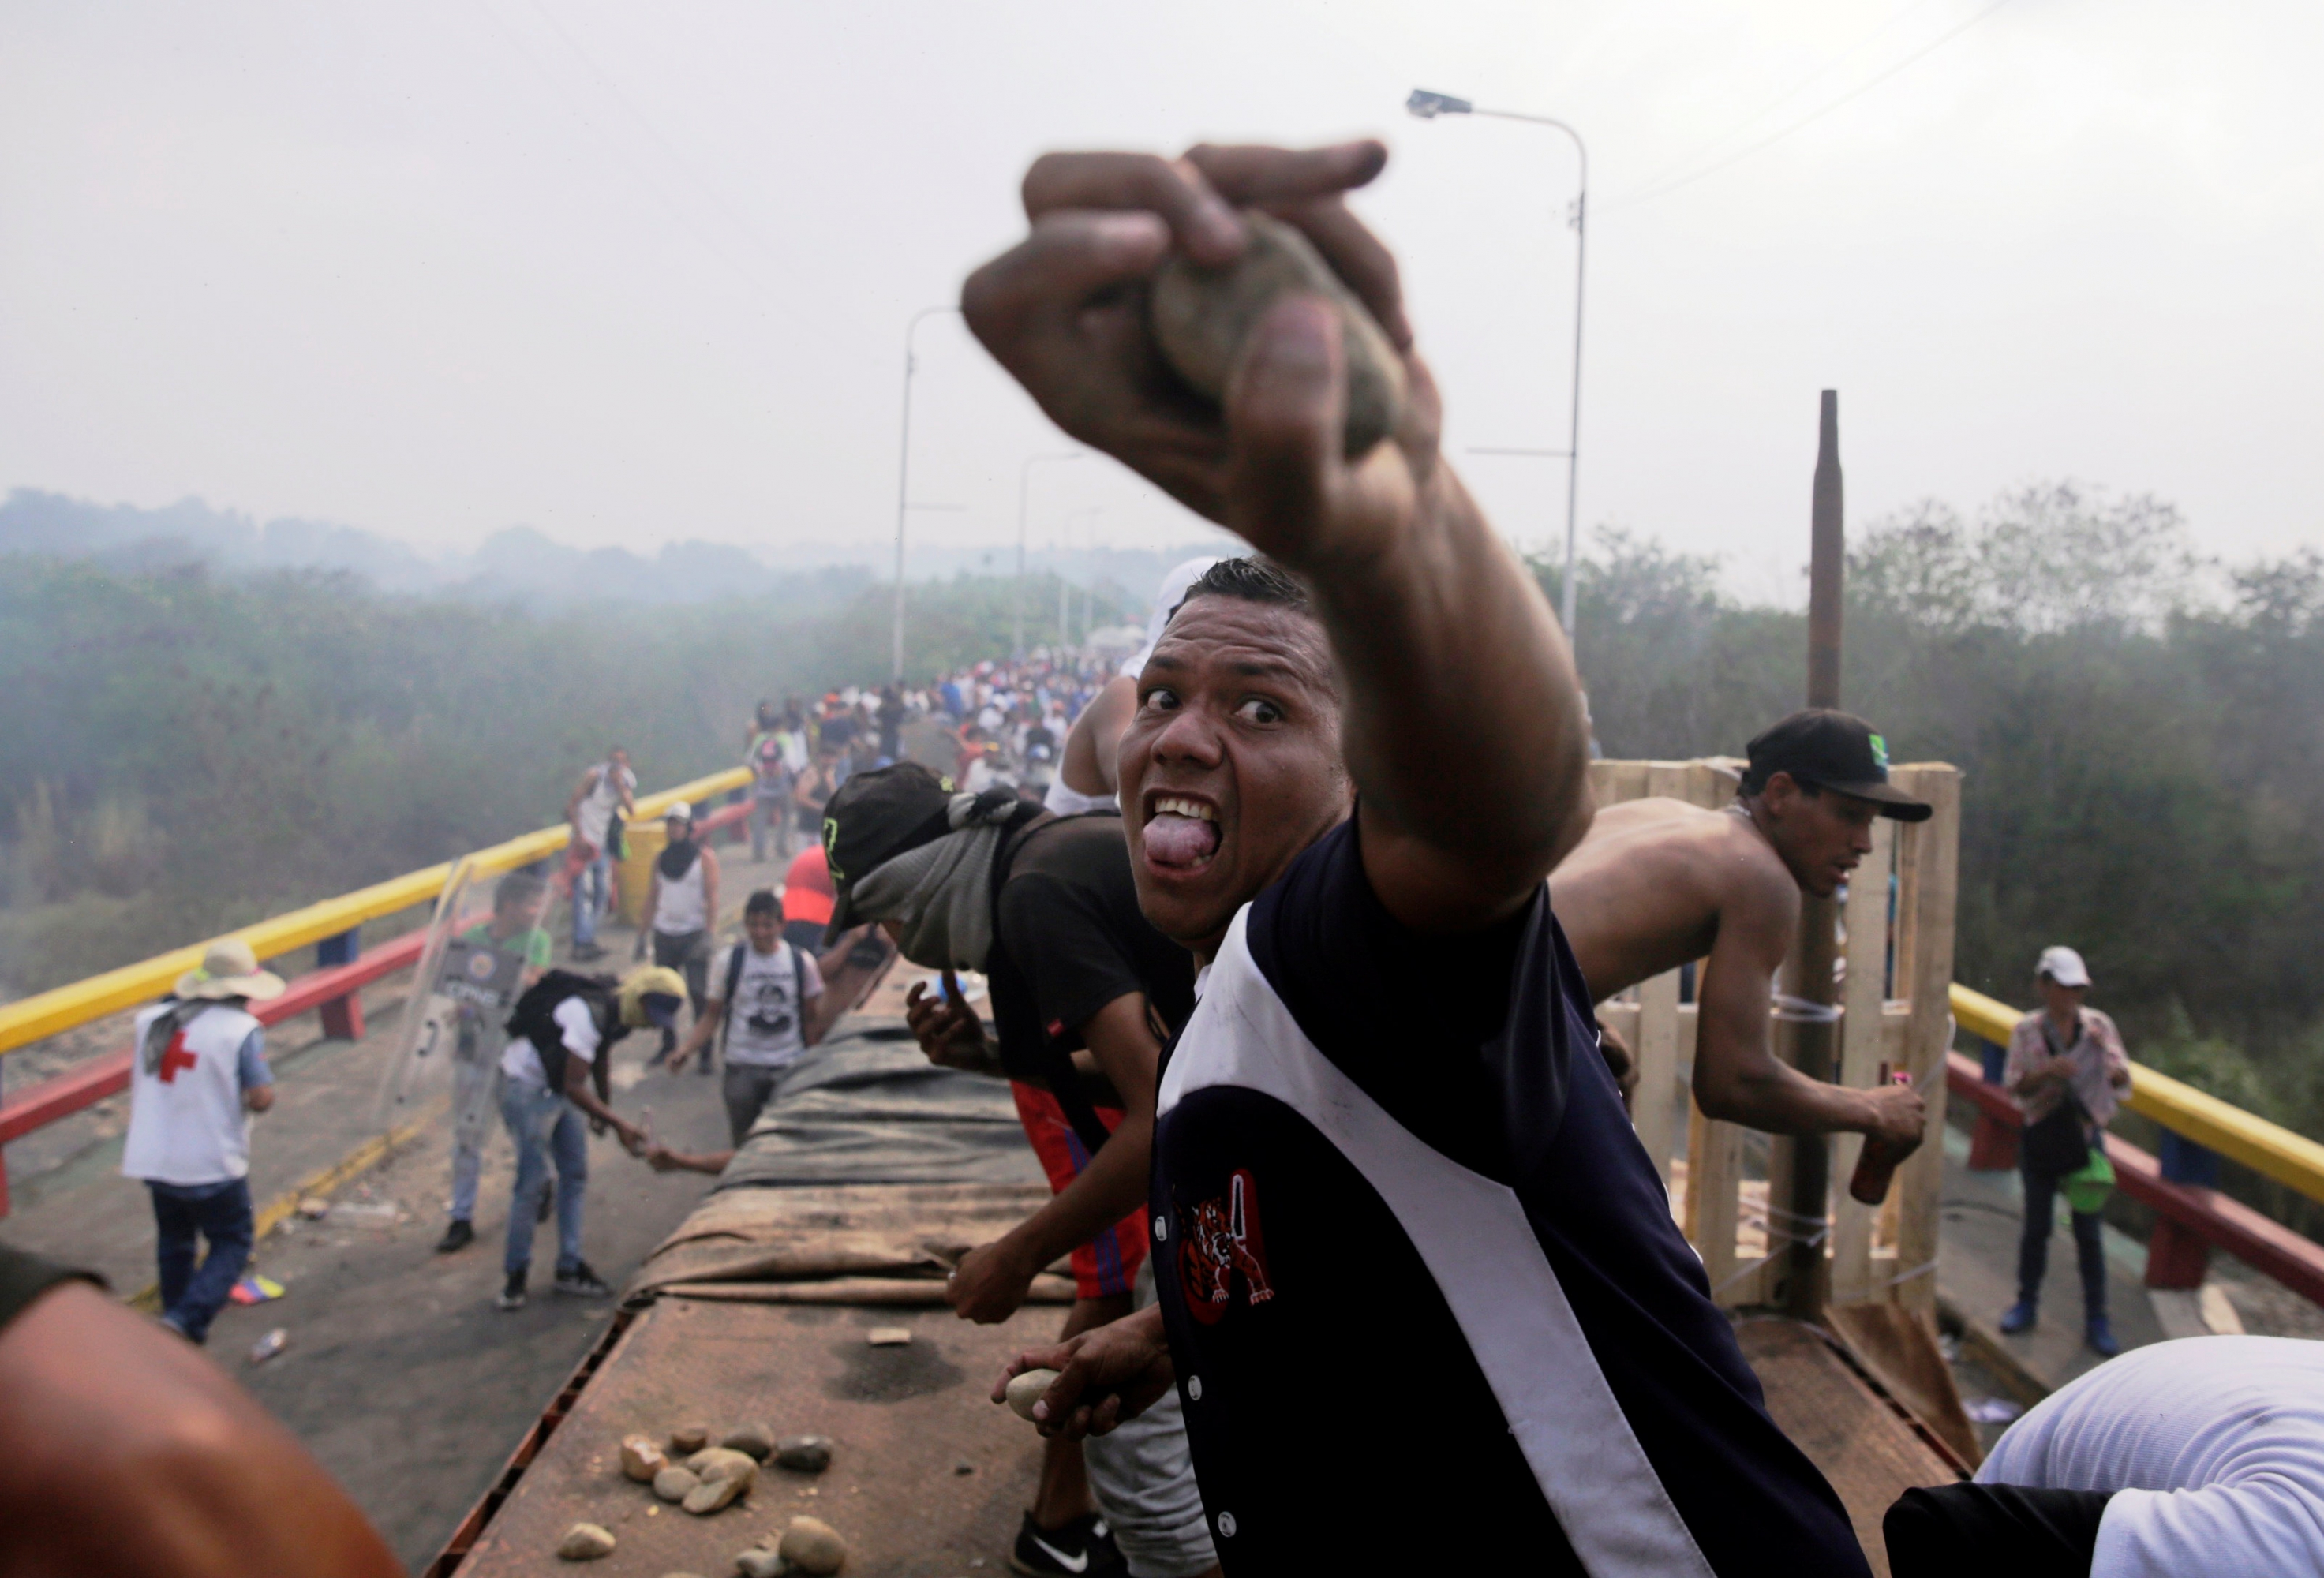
(175, 1056)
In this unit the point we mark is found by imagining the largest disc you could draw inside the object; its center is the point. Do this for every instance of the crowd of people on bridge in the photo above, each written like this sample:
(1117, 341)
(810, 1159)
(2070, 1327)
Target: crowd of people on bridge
(1294, 939)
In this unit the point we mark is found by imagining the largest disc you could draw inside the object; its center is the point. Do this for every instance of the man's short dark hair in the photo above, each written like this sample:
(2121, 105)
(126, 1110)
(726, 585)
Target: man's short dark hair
(518, 888)
(1252, 580)
(763, 902)
(1754, 782)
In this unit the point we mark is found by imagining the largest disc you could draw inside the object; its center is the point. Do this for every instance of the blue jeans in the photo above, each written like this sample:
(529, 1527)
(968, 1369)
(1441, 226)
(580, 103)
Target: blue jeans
(476, 1091)
(770, 824)
(2033, 1248)
(191, 1296)
(592, 886)
(543, 1124)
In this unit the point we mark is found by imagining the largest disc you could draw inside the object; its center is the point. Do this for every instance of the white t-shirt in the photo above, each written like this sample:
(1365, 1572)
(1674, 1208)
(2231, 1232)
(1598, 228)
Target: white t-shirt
(2214, 1447)
(1069, 801)
(683, 905)
(766, 1030)
(603, 799)
(522, 1060)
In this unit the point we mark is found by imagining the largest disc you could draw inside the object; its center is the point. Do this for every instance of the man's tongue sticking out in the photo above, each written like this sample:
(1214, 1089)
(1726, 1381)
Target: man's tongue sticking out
(1173, 840)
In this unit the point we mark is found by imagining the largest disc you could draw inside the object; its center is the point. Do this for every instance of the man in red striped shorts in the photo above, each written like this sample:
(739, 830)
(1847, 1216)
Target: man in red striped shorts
(1083, 993)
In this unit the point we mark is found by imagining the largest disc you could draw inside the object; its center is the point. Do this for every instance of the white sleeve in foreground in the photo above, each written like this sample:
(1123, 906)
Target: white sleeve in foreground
(2261, 1526)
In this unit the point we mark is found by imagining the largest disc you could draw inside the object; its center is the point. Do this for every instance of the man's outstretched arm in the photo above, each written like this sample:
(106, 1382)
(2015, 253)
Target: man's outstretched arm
(1738, 1077)
(1465, 732)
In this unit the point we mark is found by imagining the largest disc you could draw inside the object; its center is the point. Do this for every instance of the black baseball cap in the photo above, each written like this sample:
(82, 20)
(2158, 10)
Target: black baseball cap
(874, 817)
(1837, 750)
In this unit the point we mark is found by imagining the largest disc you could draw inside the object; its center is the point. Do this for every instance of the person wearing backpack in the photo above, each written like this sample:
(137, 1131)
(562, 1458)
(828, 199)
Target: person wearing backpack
(561, 1036)
(2069, 1072)
(768, 996)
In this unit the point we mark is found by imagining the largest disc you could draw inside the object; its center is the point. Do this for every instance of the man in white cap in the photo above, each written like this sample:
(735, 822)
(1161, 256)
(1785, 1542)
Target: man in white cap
(2069, 1072)
(1086, 768)
(201, 1070)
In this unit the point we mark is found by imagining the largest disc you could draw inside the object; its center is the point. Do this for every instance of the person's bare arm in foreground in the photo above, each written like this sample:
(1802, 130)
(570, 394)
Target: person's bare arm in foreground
(1465, 733)
(1087, 761)
(994, 1279)
(1738, 1077)
(130, 1452)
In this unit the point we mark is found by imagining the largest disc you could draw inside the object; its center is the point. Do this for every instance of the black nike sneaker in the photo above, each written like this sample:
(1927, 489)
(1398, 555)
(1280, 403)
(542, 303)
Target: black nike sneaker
(1083, 1548)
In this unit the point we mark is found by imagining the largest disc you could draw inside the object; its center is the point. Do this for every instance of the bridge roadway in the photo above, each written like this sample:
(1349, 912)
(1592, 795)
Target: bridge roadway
(412, 1388)
(399, 1375)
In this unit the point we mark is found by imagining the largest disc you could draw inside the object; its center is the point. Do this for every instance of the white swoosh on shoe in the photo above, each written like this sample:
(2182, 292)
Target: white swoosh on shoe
(1079, 1563)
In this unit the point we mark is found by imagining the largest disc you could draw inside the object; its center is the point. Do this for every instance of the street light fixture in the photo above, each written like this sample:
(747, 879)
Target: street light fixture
(1024, 482)
(903, 485)
(1427, 107)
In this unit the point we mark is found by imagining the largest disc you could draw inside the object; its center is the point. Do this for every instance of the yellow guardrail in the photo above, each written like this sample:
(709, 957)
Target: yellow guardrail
(45, 1013)
(2267, 1148)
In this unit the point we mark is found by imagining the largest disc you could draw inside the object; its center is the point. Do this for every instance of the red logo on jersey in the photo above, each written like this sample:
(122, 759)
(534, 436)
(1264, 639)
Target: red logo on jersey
(1218, 1238)
(175, 1056)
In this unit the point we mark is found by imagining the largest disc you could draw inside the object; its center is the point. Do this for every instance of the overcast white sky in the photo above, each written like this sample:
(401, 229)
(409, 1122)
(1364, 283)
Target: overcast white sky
(634, 274)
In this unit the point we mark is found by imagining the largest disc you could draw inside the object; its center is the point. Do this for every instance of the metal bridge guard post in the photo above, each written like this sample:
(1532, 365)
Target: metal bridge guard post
(2178, 1255)
(1992, 1143)
(342, 1018)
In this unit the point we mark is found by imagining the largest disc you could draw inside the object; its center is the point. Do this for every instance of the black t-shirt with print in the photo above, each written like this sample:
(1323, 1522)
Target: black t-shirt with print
(1331, 1388)
(1072, 939)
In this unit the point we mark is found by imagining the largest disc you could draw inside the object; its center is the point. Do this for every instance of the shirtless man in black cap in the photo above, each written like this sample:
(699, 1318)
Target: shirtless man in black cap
(1659, 883)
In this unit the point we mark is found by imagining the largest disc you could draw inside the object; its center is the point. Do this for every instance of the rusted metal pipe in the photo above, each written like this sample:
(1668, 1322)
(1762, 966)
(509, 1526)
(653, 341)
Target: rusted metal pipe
(1827, 563)
(1814, 1045)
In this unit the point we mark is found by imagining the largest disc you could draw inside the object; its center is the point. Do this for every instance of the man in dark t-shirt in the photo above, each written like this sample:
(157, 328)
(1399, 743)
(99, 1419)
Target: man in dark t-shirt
(1409, 1251)
(1047, 907)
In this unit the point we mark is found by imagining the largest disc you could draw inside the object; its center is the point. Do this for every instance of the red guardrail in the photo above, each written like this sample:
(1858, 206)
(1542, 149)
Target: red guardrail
(2189, 1219)
(108, 1074)
(330, 991)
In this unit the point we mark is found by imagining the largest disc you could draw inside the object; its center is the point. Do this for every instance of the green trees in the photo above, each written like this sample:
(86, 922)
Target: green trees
(188, 753)
(2142, 735)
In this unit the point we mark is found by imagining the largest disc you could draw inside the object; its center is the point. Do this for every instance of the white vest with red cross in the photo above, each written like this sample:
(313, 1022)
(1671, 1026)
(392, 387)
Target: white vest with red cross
(187, 1124)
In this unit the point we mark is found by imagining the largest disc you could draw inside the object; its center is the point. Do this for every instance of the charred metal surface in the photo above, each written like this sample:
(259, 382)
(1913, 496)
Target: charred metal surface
(903, 1420)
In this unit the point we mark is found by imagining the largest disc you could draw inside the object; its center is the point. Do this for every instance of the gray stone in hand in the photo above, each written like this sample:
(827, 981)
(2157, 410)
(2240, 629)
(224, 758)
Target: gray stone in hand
(1202, 316)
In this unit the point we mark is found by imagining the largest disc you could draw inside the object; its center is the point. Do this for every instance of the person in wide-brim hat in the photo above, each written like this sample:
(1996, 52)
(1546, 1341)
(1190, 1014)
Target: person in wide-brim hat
(229, 969)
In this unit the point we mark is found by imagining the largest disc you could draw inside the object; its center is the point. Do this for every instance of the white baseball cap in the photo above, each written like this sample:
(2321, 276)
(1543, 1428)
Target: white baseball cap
(1167, 598)
(679, 811)
(2064, 966)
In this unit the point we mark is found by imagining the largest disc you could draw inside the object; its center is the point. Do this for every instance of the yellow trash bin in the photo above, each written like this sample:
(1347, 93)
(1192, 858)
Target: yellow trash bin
(633, 875)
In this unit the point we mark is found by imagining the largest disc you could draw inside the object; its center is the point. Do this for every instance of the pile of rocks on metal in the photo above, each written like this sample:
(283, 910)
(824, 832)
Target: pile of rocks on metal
(709, 1480)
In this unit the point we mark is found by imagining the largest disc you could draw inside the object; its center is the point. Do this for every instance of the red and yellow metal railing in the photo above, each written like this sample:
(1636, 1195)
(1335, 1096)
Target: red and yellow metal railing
(2192, 1217)
(46, 1013)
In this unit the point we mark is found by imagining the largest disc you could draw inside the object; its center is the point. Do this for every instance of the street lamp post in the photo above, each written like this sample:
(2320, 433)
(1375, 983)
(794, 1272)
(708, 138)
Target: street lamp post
(903, 487)
(1024, 482)
(1428, 105)
(1064, 588)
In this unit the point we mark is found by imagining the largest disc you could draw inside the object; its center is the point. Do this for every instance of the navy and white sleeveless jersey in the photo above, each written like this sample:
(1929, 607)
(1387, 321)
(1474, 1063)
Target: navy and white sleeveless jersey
(1418, 1273)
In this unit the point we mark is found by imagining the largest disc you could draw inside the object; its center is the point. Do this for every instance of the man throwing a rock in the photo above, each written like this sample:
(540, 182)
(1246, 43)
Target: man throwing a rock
(1411, 1255)
(1659, 883)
